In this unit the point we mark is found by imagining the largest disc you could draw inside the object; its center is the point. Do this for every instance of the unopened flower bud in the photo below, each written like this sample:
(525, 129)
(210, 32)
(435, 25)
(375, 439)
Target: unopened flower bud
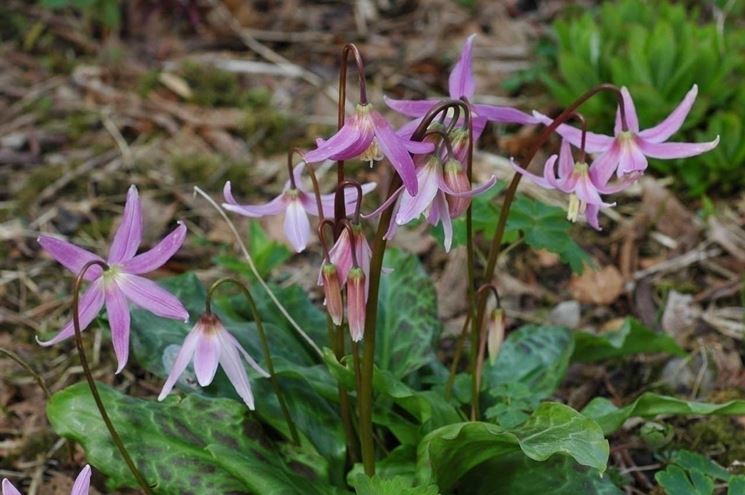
(332, 291)
(456, 178)
(495, 333)
(356, 302)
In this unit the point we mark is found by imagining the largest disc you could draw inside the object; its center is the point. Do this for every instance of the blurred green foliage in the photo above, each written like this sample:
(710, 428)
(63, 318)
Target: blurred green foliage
(105, 13)
(659, 50)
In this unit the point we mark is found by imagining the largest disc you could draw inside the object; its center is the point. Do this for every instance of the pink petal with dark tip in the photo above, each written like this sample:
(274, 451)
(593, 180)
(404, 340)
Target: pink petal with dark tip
(129, 234)
(70, 256)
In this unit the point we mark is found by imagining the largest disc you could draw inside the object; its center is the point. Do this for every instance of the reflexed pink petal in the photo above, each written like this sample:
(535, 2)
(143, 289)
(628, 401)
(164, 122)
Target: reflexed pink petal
(297, 225)
(82, 482)
(631, 159)
(337, 146)
(228, 337)
(118, 312)
(394, 149)
(150, 296)
(672, 122)
(70, 256)
(160, 253)
(419, 147)
(230, 361)
(90, 304)
(591, 214)
(410, 108)
(631, 119)
(341, 255)
(532, 177)
(549, 171)
(129, 234)
(618, 186)
(350, 196)
(411, 206)
(273, 207)
(406, 130)
(504, 115)
(586, 192)
(460, 82)
(182, 360)
(447, 225)
(566, 160)
(470, 193)
(675, 150)
(8, 488)
(594, 143)
(206, 357)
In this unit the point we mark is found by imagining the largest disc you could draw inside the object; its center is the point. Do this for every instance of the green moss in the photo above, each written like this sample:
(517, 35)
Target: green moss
(148, 82)
(213, 87)
(720, 437)
(35, 183)
(207, 169)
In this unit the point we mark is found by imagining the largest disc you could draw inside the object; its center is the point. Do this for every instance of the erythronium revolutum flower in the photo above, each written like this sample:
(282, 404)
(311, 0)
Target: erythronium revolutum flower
(436, 187)
(342, 257)
(332, 292)
(580, 181)
(627, 150)
(210, 344)
(461, 84)
(121, 282)
(296, 203)
(367, 135)
(356, 302)
(495, 333)
(81, 486)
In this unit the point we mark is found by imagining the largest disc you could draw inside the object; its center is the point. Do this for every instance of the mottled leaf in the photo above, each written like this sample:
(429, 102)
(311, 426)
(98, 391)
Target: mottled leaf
(632, 338)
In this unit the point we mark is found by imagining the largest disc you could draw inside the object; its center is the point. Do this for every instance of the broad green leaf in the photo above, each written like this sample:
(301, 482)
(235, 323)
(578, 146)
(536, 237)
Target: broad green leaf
(267, 254)
(736, 485)
(632, 338)
(534, 356)
(677, 481)
(307, 386)
(189, 445)
(446, 454)
(649, 405)
(691, 461)
(364, 485)
(408, 326)
(515, 474)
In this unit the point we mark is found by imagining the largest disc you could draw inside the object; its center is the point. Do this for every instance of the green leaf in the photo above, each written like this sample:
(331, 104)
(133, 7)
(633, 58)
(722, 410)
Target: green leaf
(677, 481)
(408, 326)
(516, 474)
(267, 254)
(736, 485)
(189, 445)
(649, 405)
(448, 453)
(632, 338)
(534, 356)
(364, 485)
(693, 461)
(307, 386)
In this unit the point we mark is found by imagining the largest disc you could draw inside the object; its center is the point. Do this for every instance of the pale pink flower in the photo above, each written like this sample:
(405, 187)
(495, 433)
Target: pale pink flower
(626, 151)
(121, 282)
(210, 344)
(296, 203)
(81, 486)
(356, 302)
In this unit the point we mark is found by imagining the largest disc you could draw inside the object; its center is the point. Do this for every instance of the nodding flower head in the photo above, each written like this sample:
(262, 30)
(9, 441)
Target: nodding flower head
(368, 136)
(332, 292)
(495, 333)
(209, 344)
(356, 302)
(121, 282)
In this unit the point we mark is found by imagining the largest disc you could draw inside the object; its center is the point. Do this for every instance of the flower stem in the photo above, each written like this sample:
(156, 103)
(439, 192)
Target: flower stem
(92, 383)
(265, 347)
(345, 408)
(23, 364)
(456, 357)
(365, 398)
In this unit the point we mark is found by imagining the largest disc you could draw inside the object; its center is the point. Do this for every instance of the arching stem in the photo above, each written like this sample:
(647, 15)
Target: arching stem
(264, 344)
(92, 383)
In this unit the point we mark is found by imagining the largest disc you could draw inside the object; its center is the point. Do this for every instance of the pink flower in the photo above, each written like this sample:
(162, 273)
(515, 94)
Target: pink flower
(581, 182)
(81, 486)
(210, 344)
(341, 253)
(356, 302)
(460, 84)
(626, 152)
(433, 195)
(121, 282)
(368, 136)
(296, 203)
(332, 292)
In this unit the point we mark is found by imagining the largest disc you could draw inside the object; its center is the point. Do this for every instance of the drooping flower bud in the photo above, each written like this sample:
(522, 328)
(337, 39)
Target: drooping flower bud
(332, 291)
(456, 178)
(495, 333)
(356, 302)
